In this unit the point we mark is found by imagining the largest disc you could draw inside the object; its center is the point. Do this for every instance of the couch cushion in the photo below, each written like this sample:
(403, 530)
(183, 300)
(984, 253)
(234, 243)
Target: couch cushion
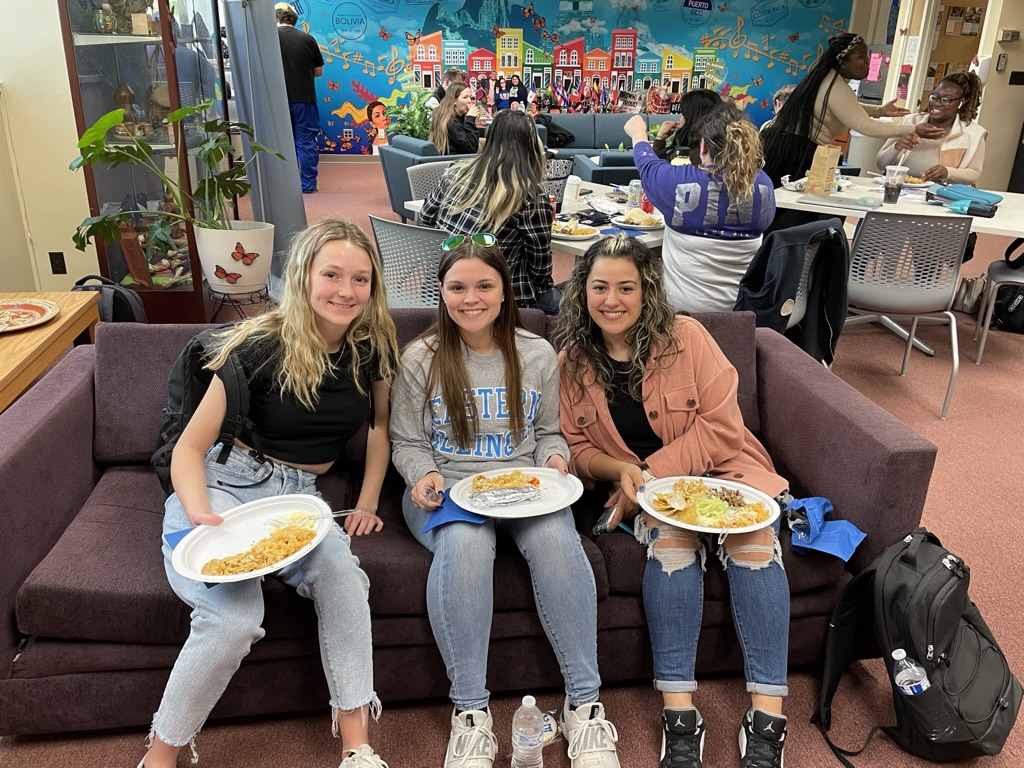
(413, 145)
(132, 363)
(580, 126)
(608, 130)
(615, 159)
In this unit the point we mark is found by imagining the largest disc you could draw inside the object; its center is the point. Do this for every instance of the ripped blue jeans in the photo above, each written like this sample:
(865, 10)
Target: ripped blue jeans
(227, 618)
(674, 604)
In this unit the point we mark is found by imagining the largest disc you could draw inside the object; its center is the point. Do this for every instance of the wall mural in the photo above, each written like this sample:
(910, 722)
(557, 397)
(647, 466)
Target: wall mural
(607, 53)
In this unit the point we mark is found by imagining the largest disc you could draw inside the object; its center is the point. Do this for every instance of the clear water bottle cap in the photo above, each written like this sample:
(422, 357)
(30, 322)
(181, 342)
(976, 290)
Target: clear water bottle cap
(899, 654)
(529, 701)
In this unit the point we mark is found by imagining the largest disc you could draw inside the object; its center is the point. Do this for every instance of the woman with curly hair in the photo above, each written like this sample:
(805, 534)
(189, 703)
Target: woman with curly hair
(316, 367)
(823, 106)
(647, 394)
(959, 153)
(453, 125)
(501, 192)
(714, 212)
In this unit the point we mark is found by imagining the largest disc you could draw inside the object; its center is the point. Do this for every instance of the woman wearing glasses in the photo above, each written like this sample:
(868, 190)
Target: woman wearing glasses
(453, 127)
(823, 106)
(958, 154)
(500, 191)
(477, 392)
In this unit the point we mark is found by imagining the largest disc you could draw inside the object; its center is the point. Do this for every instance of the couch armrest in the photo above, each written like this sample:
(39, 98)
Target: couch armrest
(834, 442)
(585, 168)
(46, 474)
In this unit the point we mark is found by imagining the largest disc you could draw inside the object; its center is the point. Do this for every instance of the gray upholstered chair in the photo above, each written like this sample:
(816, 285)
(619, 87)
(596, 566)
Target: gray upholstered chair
(906, 267)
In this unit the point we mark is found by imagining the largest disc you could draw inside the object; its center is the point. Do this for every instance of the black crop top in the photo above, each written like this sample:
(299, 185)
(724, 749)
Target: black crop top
(629, 416)
(288, 430)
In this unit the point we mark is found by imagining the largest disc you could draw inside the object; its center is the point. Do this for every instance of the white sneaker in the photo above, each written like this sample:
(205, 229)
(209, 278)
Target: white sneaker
(591, 738)
(363, 757)
(472, 743)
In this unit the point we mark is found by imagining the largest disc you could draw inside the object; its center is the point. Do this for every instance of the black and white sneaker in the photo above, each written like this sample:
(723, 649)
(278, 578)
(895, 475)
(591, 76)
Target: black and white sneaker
(682, 738)
(762, 740)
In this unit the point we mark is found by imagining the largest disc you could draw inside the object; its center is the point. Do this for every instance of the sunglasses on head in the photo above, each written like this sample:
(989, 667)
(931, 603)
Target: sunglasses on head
(481, 238)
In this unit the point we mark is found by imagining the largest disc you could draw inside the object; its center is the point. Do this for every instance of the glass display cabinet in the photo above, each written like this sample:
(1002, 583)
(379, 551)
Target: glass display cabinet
(148, 60)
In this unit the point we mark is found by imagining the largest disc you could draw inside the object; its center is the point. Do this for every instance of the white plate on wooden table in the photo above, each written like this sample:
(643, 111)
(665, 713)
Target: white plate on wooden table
(557, 491)
(243, 526)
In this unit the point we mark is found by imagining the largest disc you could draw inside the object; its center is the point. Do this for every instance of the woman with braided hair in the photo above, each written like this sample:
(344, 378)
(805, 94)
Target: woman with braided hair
(823, 106)
(958, 154)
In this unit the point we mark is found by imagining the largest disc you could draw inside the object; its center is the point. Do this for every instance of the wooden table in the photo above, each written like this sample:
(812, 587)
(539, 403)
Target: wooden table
(652, 239)
(25, 354)
(1006, 222)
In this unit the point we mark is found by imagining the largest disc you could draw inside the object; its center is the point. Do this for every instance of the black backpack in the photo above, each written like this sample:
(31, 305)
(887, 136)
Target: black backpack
(118, 304)
(1008, 312)
(914, 596)
(186, 384)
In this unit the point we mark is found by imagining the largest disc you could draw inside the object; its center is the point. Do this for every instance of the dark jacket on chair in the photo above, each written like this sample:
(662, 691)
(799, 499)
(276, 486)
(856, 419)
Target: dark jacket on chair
(770, 285)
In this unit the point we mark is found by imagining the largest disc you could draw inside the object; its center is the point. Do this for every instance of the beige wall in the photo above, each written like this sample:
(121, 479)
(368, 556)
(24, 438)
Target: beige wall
(1002, 110)
(41, 195)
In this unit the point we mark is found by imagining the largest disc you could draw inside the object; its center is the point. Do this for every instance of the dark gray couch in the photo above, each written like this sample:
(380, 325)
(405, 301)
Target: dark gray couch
(90, 628)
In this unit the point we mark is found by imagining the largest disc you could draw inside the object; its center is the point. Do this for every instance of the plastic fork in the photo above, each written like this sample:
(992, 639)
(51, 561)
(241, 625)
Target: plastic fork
(281, 523)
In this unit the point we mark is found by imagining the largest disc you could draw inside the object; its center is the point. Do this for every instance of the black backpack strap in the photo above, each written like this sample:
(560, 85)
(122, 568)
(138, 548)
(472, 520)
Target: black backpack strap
(1018, 262)
(840, 753)
(97, 278)
(236, 420)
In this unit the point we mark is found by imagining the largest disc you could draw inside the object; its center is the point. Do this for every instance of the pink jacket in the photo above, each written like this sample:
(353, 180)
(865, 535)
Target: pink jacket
(691, 406)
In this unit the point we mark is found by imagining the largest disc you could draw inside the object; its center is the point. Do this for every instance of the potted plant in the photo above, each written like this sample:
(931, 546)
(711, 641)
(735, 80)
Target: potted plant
(228, 250)
(412, 119)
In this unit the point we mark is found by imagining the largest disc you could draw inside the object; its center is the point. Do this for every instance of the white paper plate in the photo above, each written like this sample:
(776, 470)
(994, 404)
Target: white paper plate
(557, 491)
(562, 236)
(907, 184)
(619, 221)
(243, 526)
(664, 485)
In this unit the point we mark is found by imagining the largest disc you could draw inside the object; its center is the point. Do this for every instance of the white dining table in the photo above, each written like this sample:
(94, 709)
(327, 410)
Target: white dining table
(652, 238)
(1008, 221)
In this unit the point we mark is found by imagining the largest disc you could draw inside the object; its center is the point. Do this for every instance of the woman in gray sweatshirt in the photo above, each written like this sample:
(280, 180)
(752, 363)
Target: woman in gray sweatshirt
(477, 392)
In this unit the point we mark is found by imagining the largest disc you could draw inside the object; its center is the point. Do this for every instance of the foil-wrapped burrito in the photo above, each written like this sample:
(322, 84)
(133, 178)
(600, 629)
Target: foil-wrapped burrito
(497, 497)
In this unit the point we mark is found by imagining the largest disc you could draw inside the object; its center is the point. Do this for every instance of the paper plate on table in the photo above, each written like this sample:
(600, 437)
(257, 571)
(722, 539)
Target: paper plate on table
(620, 221)
(243, 526)
(750, 495)
(557, 491)
(16, 314)
(591, 232)
(907, 184)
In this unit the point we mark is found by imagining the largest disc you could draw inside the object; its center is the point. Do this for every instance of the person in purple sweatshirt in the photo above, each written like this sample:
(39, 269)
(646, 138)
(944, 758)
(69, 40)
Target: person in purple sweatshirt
(715, 212)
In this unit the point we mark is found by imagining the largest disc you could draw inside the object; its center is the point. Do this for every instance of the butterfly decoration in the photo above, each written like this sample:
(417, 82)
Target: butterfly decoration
(794, 37)
(223, 274)
(904, 30)
(545, 34)
(239, 254)
(543, 21)
(346, 144)
(496, 31)
(759, 80)
(554, 37)
(332, 85)
(329, 145)
(384, 34)
(327, 99)
(724, 8)
(765, 104)
(413, 39)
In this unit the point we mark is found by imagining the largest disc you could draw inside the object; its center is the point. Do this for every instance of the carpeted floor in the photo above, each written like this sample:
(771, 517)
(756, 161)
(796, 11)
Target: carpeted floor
(973, 504)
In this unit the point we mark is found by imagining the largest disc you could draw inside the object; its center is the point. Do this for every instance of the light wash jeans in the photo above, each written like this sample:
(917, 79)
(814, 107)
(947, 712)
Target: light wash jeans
(227, 617)
(674, 604)
(460, 597)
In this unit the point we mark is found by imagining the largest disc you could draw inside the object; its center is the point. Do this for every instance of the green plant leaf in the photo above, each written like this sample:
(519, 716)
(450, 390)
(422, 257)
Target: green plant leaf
(257, 147)
(97, 132)
(180, 114)
(101, 227)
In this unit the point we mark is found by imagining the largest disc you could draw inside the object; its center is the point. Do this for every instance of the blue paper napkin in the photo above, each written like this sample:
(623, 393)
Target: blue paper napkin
(624, 231)
(836, 537)
(174, 538)
(450, 512)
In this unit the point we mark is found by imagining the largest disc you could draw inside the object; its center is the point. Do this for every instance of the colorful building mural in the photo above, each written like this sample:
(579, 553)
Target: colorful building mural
(375, 49)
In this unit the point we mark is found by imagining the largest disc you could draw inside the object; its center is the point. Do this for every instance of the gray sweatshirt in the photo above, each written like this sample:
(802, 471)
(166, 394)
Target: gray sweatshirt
(421, 434)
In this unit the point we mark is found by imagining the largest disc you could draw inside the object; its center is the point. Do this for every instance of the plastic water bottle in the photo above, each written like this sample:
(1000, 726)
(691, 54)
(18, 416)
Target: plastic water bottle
(527, 735)
(910, 676)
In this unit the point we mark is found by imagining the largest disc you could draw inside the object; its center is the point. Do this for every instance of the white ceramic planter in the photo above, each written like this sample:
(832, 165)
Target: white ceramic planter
(236, 260)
